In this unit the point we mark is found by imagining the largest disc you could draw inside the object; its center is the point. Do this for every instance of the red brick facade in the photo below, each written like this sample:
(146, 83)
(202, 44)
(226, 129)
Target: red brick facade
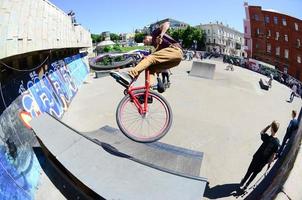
(274, 38)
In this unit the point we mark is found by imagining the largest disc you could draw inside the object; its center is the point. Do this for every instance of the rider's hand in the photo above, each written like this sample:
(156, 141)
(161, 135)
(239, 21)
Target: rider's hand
(159, 40)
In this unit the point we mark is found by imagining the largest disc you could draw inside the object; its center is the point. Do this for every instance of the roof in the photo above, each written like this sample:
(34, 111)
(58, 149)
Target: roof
(105, 43)
(275, 11)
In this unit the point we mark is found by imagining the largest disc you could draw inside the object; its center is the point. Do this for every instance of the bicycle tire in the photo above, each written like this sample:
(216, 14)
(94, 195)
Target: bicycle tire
(135, 136)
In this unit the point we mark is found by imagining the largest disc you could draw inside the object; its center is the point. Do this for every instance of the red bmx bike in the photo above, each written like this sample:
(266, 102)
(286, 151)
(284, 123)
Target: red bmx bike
(143, 115)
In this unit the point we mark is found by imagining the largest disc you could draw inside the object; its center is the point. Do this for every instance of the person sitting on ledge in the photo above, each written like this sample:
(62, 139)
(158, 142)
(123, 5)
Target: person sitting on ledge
(229, 67)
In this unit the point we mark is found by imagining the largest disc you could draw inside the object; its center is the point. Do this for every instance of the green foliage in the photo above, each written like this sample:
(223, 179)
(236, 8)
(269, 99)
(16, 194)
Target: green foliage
(139, 37)
(114, 37)
(105, 61)
(127, 49)
(188, 35)
(117, 48)
(107, 49)
(96, 38)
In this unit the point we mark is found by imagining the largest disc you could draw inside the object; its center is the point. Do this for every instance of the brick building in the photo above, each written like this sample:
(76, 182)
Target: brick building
(274, 38)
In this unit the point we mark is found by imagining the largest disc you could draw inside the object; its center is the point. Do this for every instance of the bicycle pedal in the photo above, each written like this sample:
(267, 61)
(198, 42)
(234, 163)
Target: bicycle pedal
(141, 99)
(150, 99)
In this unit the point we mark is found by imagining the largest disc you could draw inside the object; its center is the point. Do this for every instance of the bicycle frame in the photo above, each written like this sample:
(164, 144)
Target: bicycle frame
(141, 109)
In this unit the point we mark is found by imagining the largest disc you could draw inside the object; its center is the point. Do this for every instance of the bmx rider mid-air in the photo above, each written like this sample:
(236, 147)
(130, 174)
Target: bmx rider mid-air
(168, 53)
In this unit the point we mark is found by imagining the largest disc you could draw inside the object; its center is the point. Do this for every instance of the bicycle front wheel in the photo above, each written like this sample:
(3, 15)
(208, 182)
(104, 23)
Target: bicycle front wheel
(148, 127)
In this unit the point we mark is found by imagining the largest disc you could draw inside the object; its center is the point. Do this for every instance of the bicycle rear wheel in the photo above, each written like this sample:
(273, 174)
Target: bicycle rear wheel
(148, 127)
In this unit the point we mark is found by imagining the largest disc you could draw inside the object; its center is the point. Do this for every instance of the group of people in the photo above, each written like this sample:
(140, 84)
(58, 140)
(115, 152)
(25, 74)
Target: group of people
(269, 150)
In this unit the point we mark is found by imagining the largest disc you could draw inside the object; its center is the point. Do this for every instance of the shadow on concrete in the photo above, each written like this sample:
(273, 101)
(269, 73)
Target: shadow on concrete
(67, 185)
(221, 191)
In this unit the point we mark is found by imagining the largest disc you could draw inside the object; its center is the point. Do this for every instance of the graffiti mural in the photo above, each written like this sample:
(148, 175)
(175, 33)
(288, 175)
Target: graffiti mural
(49, 89)
(54, 91)
(19, 167)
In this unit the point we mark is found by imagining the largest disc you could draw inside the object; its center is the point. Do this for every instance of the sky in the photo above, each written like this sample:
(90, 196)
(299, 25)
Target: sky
(124, 16)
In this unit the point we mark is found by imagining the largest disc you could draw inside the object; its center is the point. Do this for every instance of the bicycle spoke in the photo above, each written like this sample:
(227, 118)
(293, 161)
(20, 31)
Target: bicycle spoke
(131, 124)
(151, 125)
(148, 126)
(155, 119)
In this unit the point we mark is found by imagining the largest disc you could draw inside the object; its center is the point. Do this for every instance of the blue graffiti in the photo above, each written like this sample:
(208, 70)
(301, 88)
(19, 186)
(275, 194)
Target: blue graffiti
(18, 183)
(54, 91)
(78, 69)
(50, 92)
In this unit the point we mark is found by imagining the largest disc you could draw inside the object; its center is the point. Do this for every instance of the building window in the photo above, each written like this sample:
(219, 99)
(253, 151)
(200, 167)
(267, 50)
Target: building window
(245, 29)
(257, 46)
(298, 59)
(266, 19)
(277, 51)
(286, 53)
(268, 48)
(269, 33)
(214, 41)
(286, 38)
(256, 17)
(277, 35)
(284, 21)
(209, 40)
(257, 31)
(209, 31)
(296, 26)
(298, 43)
(275, 20)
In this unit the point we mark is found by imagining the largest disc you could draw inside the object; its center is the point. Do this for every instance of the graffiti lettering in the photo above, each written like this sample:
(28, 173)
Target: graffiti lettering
(54, 91)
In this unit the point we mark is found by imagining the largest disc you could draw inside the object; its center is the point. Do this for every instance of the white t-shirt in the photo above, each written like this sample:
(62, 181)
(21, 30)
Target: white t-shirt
(294, 88)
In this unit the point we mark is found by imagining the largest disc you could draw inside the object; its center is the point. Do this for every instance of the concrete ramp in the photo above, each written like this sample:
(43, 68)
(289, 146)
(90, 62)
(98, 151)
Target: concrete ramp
(107, 171)
(203, 69)
(177, 159)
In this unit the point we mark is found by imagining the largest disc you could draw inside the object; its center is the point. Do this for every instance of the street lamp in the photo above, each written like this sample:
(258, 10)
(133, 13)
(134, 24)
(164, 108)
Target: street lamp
(180, 42)
(195, 44)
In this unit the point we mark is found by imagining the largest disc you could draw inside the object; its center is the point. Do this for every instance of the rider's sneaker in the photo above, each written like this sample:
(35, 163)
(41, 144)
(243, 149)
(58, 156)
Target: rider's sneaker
(160, 86)
(122, 77)
(141, 99)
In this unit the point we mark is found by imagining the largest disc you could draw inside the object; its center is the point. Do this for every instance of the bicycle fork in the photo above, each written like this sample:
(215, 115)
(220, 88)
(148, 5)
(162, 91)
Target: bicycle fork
(141, 102)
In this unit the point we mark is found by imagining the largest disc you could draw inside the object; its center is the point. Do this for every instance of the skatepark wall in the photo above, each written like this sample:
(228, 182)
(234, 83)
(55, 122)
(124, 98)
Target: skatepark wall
(48, 89)
(36, 25)
(272, 184)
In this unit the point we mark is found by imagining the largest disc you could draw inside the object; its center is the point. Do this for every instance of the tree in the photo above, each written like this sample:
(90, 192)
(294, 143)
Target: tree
(117, 48)
(139, 37)
(96, 38)
(114, 37)
(188, 36)
(107, 49)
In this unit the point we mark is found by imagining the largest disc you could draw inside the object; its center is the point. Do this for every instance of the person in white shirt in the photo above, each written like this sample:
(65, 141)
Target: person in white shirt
(294, 93)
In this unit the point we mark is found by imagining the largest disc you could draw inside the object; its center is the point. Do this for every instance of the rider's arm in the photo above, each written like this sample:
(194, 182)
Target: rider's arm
(265, 129)
(164, 27)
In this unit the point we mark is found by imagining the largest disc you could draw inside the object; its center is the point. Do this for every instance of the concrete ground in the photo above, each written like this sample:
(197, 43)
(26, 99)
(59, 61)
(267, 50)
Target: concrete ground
(221, 117)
